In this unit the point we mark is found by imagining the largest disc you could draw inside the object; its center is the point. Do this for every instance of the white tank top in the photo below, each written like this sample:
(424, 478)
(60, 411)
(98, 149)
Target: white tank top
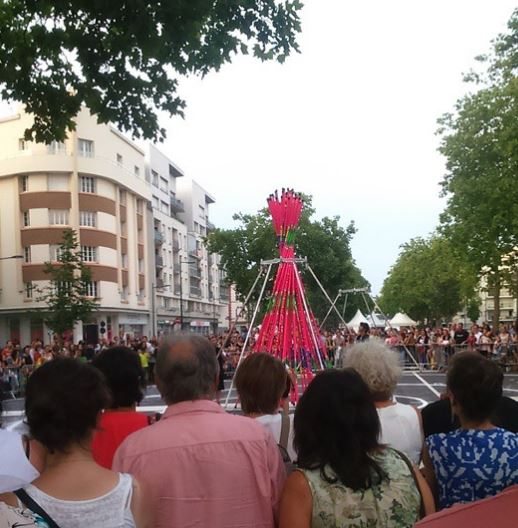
(400, 429)
(111, 510)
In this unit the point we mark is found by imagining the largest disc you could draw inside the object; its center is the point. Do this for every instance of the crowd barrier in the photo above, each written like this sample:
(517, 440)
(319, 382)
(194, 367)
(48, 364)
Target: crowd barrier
(13, 381)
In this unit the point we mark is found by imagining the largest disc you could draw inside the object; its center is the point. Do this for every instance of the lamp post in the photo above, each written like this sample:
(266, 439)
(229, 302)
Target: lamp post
(181, 289)
(153, 306)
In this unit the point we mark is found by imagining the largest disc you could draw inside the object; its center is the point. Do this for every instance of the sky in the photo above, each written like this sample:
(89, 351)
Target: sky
(350, 120)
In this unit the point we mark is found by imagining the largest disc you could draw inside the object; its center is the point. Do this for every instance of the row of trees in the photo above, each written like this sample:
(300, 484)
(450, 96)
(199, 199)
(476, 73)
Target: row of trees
(479, 227)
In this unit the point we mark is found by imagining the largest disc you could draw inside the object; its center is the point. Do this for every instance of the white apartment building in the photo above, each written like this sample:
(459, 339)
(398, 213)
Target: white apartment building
(94, 183)
(186, 278)
(140, 225)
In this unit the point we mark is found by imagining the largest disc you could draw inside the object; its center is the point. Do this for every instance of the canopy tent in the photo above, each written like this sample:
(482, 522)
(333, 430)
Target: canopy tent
(356, 320)
(401, 319)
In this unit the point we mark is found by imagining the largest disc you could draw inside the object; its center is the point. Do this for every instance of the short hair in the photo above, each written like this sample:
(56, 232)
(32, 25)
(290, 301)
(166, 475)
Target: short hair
(261, 381)
(377, 364)
(336, 425)
(123, 373)
(365, 326)
(186, 368)
(476, 384)
(63, 400)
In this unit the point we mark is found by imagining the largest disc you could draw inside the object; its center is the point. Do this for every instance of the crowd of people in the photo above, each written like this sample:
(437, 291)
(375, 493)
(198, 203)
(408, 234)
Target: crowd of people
(349, 455)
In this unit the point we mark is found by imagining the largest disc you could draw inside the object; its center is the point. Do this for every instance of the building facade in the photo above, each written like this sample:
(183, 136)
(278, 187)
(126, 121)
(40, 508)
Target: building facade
(140, 225)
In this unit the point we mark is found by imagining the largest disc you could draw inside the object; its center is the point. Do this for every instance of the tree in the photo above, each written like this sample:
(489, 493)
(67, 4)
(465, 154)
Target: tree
(428, 281)
(324, 242)
(480, 143)
(122, 58)
(67, 296)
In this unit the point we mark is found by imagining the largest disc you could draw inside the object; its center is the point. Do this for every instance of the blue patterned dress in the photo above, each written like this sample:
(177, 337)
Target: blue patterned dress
(471, 464)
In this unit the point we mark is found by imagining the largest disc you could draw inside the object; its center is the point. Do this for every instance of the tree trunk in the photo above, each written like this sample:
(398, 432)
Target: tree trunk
(496, 302)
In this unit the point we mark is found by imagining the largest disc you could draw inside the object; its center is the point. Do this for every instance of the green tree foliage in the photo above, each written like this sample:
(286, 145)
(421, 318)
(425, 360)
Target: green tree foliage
(66, 295)
(122, 58)
(324, 242)
(480, 143)
(428, 281)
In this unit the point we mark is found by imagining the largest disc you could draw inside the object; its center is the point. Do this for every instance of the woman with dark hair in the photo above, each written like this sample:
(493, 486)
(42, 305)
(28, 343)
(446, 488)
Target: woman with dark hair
(124, 375)
(263, 387)
(479, 459)
(345, 478)
(63, 401)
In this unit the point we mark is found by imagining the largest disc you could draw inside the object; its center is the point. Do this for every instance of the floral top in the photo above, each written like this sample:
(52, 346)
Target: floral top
(394, 503)
(471, 464)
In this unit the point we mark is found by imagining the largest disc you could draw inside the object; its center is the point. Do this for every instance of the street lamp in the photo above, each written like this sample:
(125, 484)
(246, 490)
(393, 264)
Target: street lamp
(181, 289)
(153, 305)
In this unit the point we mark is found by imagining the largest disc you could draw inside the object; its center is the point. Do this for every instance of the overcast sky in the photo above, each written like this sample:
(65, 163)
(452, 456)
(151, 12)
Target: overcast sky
(350, 120)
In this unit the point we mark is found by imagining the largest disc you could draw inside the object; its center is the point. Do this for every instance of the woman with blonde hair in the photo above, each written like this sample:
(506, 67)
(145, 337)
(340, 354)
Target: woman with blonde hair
(379, 367)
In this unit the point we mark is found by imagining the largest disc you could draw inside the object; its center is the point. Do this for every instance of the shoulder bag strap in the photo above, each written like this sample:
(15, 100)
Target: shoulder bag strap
(285, 430)
(35, 507)
(405, 459)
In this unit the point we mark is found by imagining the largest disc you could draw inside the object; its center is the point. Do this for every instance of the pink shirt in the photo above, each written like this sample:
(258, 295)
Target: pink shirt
(205, 468)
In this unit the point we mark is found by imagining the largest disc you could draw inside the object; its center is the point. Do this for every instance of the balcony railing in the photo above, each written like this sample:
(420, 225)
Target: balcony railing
(159, 238)
(195, 273)
(177, 205)
(176, 245)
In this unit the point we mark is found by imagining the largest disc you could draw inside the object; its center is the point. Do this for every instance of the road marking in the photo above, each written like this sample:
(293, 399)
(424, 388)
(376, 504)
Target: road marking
(426, 384)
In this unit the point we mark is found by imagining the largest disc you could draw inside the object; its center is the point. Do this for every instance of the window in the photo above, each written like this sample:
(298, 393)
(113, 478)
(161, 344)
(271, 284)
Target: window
(124, 293)
(29, 288)
(89, 253)
(91, 289)
(156, 202)
(27, 254)
(58, 216)
(24, 183)
(141, 266)
(140, 206)
(164, 207)
(85, 148)
(87, 184)
(119, 160)
(55, 253)
(26, 219)
(56, 147)
(122, 196)
(154, 178)
(164, 184)
(57, 182)
(124, 260)
(22, 144)
(136, 171)
(87, 218)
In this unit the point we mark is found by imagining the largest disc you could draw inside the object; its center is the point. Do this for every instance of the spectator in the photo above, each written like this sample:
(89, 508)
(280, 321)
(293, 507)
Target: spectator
(363, 332)
(478, 460)
(400, 423)
(263, 387)
(63, 402)
(204, 467)
(125, 377)
(345, 476)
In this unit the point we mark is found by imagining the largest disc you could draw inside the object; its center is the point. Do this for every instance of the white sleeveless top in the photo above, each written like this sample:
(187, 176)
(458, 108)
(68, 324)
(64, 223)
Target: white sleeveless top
(400, 429)
(111, 510)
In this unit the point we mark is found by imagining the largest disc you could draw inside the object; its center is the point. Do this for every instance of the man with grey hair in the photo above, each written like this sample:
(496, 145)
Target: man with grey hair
(200, 465)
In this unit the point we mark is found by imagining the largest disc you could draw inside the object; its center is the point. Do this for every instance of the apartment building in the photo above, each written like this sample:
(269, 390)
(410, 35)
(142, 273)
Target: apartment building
(94, 183)
(186, 278)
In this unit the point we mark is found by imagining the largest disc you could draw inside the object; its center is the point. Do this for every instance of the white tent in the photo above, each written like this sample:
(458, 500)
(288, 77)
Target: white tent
(401, 319)
(356, 320)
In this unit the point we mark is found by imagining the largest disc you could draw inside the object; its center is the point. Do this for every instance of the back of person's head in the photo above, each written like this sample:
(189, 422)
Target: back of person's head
(365, 327)
(187, 369)
(475, 384)
(261, 381)
(63, 400)
(377, 364)
(123, 373)
(336, 424)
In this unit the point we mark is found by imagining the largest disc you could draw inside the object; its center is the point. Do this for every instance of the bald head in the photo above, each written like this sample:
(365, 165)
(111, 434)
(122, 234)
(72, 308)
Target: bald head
(187, 369)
